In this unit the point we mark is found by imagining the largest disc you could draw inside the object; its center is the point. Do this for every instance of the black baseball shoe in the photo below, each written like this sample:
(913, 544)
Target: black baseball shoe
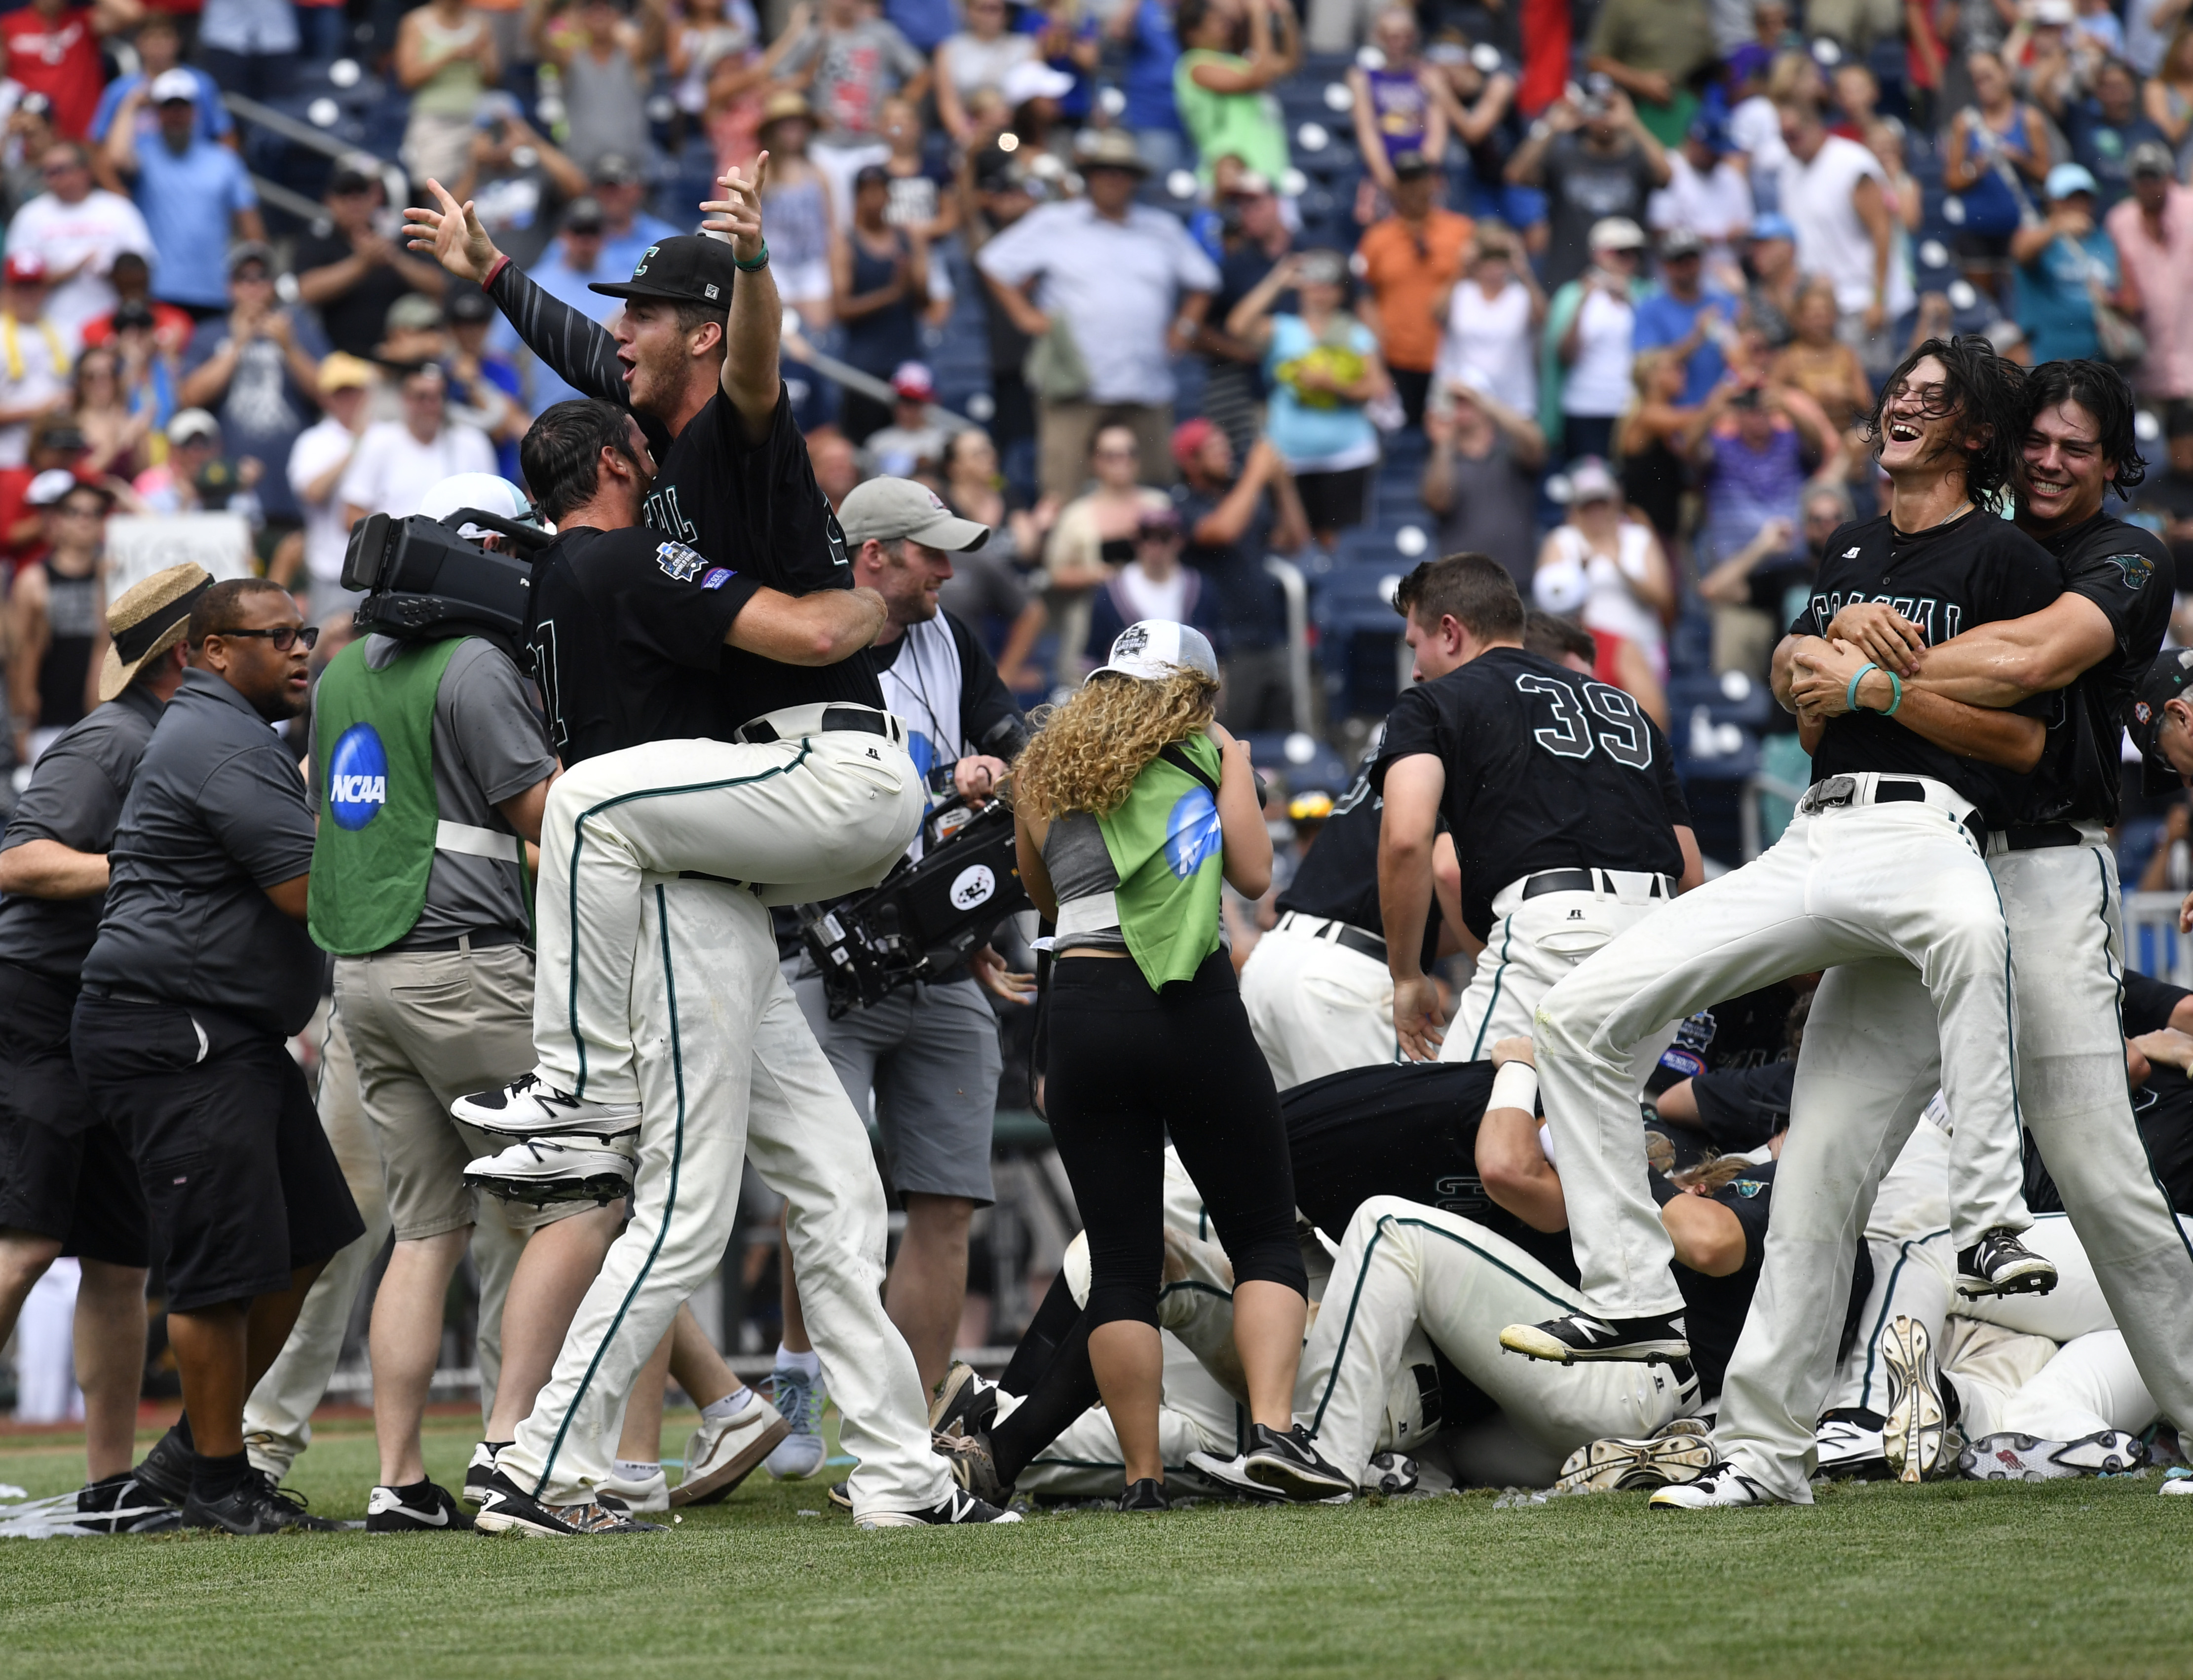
(1233, 1475)
(1918, 1417)
(2013, 1457)
(839, 1495)
(963, 1404)
(1849, 1446)
(505, 1508)
(2000, 1265)
(1391, 1474)
(120, 1504)
(1575, 1337)
(166, 1470)
(529, 1106)
(1290, 1465)
(255, 1506)
(421, 1508)
(959, 1507)
(480, 1470)
(1147, 1494)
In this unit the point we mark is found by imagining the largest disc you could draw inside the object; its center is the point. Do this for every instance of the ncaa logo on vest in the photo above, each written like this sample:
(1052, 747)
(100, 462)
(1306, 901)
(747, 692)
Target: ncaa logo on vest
(358, 777)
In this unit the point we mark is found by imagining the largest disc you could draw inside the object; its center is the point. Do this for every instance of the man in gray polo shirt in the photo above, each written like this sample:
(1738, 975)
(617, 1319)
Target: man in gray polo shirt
(201, 972)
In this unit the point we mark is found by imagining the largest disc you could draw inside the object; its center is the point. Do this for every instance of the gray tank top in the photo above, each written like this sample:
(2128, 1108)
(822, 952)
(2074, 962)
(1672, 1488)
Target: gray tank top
(608, 109)
(1080, 868)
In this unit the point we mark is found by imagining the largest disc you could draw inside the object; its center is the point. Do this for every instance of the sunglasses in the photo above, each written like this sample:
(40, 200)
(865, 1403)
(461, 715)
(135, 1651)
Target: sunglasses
(284, 636)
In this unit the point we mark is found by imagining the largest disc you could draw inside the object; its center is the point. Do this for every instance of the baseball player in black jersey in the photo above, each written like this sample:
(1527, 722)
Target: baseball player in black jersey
(2053, 864)
(1316, 987)
(1882, 872)
(1560, 796)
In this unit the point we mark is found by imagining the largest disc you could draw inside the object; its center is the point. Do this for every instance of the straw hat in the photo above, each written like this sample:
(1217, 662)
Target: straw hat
(146, 621)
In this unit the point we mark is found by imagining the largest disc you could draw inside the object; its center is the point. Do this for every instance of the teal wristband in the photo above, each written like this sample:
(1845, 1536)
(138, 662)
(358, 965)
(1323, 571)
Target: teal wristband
(761, 261)
(1850, 694)
(1895, 683)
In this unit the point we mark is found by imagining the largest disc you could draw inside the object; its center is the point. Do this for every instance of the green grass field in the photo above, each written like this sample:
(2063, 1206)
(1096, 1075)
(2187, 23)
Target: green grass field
(1952, 1580)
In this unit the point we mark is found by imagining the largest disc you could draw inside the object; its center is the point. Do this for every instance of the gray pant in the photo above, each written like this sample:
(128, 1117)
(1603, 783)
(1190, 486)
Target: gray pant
(930, 1056)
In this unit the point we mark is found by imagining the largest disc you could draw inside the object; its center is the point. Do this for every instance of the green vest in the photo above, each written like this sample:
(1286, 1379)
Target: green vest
(1166, 845)
(373, 761)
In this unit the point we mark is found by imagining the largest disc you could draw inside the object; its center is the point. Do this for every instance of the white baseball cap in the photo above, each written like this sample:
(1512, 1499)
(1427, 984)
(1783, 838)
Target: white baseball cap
(1152, 650)
(177, 85)
(484, 491)
(1033, 79)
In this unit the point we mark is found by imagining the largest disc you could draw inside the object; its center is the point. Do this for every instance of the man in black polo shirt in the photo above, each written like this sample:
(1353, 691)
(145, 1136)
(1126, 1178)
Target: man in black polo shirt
(201, 972)
(66, 1184)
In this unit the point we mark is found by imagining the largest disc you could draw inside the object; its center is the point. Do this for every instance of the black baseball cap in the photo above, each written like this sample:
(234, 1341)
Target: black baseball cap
(689, 268)
(464, 306)
(2166, 680)
(1411, 166)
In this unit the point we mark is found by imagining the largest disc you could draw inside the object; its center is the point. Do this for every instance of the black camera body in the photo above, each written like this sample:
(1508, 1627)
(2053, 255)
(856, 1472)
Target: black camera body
(425, 583)
(925, 918)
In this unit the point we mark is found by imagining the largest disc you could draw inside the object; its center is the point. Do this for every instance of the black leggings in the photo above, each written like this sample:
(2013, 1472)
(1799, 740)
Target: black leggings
(1128, 1067)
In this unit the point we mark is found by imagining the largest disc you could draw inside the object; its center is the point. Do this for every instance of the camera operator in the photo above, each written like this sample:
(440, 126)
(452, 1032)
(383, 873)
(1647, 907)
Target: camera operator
(429, 768)
(630, 650)
(66, 1184)
(929, 1051)
(200, 974)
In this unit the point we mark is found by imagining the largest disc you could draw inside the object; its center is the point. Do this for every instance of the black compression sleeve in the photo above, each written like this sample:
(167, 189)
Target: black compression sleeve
(579, 351)
(985, 701)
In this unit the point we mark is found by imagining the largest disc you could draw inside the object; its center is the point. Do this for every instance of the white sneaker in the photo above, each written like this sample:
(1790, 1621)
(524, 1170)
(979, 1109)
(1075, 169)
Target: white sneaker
(799, 1398)
(541, 1170)
(722, 1453)
(1911, 1436)
(1623, 1464)
(529, 1106)
(1722, 1487)
(652, 1494)
(1846, 1448)
(2179, 1482)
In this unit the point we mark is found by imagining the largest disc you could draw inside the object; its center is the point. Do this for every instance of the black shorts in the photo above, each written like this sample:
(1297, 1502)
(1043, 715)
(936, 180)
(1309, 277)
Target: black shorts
(64, 1172)
(1334, 501)
(239, 1181)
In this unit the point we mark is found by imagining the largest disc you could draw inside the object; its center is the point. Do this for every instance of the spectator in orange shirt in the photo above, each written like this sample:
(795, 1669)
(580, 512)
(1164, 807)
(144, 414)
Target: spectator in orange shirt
(1411, 262)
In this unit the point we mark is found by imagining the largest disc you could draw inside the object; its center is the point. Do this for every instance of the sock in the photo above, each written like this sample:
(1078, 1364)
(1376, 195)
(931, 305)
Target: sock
(809, 1364)
(213, 1478)
(728, 1407)
(635, 1470)
(181, 1431)
(418, 1493)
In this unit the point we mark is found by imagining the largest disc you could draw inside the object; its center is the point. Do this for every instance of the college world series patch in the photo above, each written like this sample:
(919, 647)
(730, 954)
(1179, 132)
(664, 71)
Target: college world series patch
(678, 562)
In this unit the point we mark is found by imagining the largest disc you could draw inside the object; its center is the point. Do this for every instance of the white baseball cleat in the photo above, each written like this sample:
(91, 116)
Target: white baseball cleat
(1911, 1436)
(2179, 1482)
(1722, 1487)
(1623, 1464)
(539, 1170)
(2013, 1457)
(1848, 1447)
(529, 1106)
(722, 1453)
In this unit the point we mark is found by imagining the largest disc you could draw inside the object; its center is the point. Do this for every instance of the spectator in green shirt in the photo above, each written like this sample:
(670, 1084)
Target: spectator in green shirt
(1652, 49)
(1221, 94)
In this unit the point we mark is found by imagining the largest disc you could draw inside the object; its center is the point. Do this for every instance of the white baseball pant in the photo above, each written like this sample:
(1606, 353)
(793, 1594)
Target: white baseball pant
(1882, 888)
(1532, 944)
(730, 1070)
(1402, 1264)
(1316, 1007)
(2083, 1387)
(808, 817)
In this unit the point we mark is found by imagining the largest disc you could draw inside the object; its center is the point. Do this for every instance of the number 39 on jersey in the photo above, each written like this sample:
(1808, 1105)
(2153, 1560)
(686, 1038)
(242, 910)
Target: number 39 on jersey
(1582, 719)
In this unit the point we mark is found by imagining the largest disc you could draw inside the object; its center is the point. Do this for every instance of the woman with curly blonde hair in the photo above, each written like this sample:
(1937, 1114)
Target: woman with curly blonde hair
(1131, 805)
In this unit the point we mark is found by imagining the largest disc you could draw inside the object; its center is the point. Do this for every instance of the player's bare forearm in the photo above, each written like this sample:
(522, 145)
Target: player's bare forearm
(2011, 660)
(750, 376)
(822, 628)
(1992, 736)
(46, 869)
(1514, 1171)
(1781, 670)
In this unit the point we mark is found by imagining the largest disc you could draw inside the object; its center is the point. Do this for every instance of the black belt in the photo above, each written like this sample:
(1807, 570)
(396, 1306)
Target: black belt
(1586, 880)
(139, 998)
(495, 938)
(1888, 791)
(2039, 836)
(859, 718)
(1345, 935)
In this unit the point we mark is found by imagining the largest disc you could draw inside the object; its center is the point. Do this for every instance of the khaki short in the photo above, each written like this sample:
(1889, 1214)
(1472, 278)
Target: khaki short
(427, 1027)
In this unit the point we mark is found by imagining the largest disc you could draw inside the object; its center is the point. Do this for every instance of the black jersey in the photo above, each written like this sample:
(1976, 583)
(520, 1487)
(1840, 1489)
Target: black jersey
(2128, 574)
(1744, 1032)
(1408, 1130)
(1972, 570)
(627, 640)
(2163, 1108)
(1337, 878)
(752, 508)
(1545, 769)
